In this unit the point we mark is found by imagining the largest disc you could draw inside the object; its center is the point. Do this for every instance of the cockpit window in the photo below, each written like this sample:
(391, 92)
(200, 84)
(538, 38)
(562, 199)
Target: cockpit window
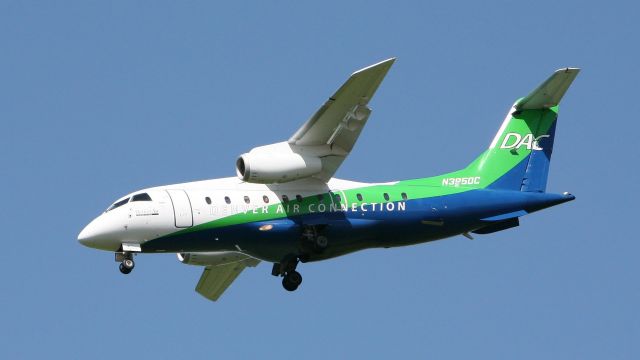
(118, 204)
(141, 197)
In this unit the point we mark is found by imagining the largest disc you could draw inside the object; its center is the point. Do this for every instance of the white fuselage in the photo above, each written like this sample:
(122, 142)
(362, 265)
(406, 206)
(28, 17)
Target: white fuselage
(180, 206)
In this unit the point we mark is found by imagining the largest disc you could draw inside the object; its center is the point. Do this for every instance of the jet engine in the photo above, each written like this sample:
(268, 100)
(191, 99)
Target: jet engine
(266, 167)
(211, 258)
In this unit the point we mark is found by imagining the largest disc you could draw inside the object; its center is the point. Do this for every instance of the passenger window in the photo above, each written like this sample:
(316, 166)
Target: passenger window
(141, 197)
(299, 198)
(386, 196)
(338, 198)
(320, 197)
(265, 198)
(227, 200)
(359, 196)
(208, 200)
(118, 204)
(246, 199)
(285, 198)
(404, 196)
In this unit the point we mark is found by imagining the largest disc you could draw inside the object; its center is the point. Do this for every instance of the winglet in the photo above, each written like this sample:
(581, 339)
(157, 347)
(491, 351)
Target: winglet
(550, 92)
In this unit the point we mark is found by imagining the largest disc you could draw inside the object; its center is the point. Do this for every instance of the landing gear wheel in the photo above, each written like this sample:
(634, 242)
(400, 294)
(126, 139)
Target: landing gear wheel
(321, 243)
(291, 280)
(127, 265)
(275, 270)
(124, 269)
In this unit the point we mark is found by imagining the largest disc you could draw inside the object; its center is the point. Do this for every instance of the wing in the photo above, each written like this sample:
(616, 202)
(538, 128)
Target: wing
(215, 279)
(340, 119)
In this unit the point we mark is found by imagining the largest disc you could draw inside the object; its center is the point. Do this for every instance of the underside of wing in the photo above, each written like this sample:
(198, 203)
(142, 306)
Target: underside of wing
(216, 279)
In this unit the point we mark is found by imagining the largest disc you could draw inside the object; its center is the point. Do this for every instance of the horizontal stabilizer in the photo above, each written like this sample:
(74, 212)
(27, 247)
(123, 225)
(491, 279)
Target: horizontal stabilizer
(498, 226)
(506, 216)
(550, 92)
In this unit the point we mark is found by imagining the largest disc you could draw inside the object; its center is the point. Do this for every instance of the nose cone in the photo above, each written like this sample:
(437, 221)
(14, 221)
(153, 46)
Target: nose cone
(84, 237)
(99, 234)
(89, 236)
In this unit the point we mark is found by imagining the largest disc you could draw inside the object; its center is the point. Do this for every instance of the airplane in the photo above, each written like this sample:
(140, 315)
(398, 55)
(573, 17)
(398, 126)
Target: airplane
(285, 207)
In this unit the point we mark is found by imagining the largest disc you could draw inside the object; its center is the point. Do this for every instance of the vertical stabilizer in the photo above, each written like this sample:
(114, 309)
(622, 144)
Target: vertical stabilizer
(520, 153)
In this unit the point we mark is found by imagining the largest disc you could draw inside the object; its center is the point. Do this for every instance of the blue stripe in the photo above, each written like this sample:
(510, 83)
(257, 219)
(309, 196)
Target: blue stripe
(422, 220)
(537, 173)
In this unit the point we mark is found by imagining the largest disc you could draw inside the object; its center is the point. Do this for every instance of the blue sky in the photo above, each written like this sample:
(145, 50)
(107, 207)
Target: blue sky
(98, 99)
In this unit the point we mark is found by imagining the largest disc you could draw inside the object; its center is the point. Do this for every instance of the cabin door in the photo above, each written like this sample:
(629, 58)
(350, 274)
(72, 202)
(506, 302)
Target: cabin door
(181, 208)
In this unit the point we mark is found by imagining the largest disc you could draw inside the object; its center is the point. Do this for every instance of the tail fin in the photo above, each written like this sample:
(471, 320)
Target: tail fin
(519, 155)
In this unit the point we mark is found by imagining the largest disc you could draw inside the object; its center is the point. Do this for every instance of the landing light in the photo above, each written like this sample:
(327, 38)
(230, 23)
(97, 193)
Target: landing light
(265, 227)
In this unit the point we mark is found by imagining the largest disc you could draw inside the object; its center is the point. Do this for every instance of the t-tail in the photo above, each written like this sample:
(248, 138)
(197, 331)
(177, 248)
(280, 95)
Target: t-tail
(520, 153)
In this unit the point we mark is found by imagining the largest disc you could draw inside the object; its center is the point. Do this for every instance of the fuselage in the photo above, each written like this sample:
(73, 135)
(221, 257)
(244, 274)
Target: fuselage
(267, 221)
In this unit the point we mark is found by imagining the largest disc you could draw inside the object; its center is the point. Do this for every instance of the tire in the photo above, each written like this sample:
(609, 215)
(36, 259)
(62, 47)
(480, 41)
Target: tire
(129, 264)
(275, 270)
(288, 286)
(124, 269)
(291, 281)
(294, 278)
(320, 244)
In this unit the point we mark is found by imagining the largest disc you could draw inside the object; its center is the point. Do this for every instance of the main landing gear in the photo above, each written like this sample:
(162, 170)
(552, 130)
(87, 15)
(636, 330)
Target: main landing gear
(311, 242)
(126, 262)
(291, 279)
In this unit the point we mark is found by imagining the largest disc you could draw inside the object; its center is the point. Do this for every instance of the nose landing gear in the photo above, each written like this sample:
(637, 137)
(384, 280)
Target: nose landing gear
(126, 262)
(126, 266)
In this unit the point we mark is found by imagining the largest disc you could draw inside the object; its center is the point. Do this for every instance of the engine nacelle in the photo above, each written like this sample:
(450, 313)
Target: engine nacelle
(266, 167)
(210, 258)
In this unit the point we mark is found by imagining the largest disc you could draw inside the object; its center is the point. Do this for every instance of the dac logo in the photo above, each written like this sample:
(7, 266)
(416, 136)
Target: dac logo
(515, 141)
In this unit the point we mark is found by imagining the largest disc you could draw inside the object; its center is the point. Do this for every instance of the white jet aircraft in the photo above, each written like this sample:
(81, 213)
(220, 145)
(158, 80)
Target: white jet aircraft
(285, 207)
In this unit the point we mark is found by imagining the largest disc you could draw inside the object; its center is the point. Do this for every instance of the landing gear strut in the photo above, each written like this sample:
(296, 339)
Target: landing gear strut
(126, 262)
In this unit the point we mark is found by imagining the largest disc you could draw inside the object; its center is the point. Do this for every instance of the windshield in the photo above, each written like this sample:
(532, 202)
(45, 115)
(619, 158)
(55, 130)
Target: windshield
(141, 197)
(118, 204)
